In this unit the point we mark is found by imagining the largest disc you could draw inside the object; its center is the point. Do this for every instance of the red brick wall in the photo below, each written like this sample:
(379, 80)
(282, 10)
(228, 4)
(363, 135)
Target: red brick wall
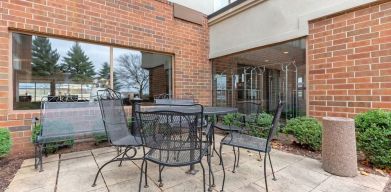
(140, 24)
(349, 60)
(158, 81)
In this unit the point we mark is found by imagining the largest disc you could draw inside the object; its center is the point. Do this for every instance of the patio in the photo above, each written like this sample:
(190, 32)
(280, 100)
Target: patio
(76, 171)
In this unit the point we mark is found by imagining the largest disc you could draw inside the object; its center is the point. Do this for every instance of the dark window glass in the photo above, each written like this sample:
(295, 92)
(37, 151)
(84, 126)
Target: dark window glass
(140, 74)
(74, 71)
(58, 69)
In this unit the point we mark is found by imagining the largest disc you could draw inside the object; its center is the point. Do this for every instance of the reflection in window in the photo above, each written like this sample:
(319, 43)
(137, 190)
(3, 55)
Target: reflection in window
(64, 70)
(59, 69)
(142, 75)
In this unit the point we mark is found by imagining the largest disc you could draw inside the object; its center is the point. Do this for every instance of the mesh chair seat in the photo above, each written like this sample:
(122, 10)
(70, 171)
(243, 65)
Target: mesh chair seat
(227, 127)
(246, 142)
(127, 141)
(176, 158)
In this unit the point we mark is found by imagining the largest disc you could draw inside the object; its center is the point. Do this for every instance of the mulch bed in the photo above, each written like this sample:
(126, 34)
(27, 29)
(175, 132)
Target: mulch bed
(9, 166)
(388, 186)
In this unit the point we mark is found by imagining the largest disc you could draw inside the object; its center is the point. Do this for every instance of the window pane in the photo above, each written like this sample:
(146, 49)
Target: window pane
(265, 75)
(143, 75)
(60, 69)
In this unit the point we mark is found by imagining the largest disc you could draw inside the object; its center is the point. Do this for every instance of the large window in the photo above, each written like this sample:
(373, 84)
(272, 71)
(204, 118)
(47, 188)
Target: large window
(266, 75)
(74, 71)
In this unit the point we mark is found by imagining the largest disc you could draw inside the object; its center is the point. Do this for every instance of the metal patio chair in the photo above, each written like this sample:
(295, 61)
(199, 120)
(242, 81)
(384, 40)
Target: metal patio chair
(248, 112)
(173, 138)
(242, 139)
(116, 127)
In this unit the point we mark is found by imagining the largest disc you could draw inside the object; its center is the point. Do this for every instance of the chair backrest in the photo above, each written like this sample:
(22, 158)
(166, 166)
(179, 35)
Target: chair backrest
(174, 130)
(275, 122)
(248, 107)
(174, 102)
(65, 119)
(113, 115)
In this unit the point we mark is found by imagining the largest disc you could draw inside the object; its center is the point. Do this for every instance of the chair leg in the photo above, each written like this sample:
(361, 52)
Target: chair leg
(35, 158)
(203, 176)
(146, 174)
(271, 165)
(264, 171)
(40, 151)
(141, 176)
(211, 176)
(237, 163)
(100, 169)
(233, 171)
(160, 175)
(123, 156)
(222, 164)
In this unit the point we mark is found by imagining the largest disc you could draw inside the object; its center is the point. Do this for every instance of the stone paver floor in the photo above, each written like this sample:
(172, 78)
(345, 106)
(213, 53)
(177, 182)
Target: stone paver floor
(76, 171)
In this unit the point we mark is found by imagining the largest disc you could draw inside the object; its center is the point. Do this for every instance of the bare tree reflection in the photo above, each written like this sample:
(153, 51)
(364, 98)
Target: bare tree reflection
(131, 74)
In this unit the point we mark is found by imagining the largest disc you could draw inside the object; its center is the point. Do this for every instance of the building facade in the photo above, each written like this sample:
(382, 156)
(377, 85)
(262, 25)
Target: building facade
(145, 27)
(323, 58)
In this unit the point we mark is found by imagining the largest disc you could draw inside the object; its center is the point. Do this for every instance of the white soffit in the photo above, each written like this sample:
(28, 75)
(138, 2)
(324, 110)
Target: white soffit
(269, 22)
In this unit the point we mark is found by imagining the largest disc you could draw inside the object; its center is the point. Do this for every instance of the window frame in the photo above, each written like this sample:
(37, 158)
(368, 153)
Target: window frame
(11, 89)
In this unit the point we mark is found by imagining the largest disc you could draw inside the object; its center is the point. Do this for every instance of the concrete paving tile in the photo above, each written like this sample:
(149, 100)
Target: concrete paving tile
(283, 184)
(233, 181)
(171, 176)
(50, 170)
(333, 184)
(255, 167)
(48, 159)
(101, 189)
(29, 179)
(294, 173)
(311, 164)
(372, 181)
(286, 156)
(132, 185)
(106, 157)
(73, 155)
(76, 180)
(82, 164)
(251, 188)
(30, 188)
(302, 176)
(120, 174)
(188, 186)
(103, 150)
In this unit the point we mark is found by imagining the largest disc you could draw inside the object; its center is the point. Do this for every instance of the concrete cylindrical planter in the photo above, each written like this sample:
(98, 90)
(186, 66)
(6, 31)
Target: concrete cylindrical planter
(339, 154)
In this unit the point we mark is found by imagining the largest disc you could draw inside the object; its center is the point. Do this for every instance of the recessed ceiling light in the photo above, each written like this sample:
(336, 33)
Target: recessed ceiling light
(285, 52)
(266, 60)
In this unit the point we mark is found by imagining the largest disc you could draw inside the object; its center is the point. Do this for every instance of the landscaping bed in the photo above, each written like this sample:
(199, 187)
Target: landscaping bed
(9, 166)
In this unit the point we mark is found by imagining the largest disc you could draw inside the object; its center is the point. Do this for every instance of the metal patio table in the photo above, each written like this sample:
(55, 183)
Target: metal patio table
(208, 111)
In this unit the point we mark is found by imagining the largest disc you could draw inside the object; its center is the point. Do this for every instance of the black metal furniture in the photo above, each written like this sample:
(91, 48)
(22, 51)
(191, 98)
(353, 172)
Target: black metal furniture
(242, 139)
(116, 126)
(61, 122)
(208, 112)
(248, 111)
(174, 102)
(173, 138)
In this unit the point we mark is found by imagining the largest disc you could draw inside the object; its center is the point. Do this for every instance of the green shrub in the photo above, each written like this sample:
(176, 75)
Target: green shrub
(373, 130)
(5, 142)
(232, 119)
(262, 124)
(51, 147)
(306, 130)
(99, 135)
